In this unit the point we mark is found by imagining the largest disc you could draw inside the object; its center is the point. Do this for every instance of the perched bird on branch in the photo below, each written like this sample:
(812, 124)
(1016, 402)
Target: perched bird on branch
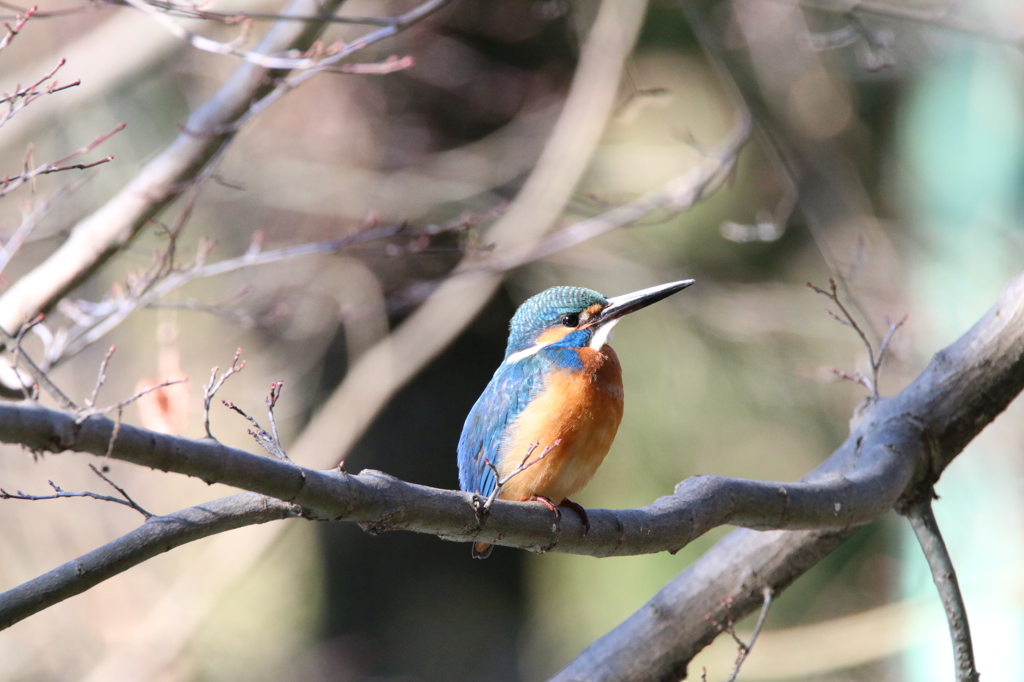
(549, 414)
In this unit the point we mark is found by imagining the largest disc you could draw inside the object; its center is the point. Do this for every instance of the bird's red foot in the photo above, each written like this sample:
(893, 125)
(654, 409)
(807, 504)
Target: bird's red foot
(580, 511)
(547, 503)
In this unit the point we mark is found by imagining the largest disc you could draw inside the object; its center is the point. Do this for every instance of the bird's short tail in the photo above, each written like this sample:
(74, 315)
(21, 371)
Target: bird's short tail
(481, 550)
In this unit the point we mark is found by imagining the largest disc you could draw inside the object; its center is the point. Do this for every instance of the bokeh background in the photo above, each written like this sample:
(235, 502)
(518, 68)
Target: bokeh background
(888, 155)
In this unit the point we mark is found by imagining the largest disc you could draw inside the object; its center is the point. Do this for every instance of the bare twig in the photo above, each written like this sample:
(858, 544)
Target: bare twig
(500, 482)
(893, 327)
(210, 389)
(390, 65)
(24, 96)
(747, 646)
(922, 520)
(101, 378)
(29, 221)
(59, 492)
(114, 433)
(93, 411)
(22, 359)
(12, 182)
(46, 14)
(269, 441)
(846, 319)
(121, 491)
(275, 393)
(19, 23)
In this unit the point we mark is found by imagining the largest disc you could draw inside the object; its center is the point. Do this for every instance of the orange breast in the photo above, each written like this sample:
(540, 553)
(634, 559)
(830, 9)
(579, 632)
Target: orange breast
(583, 408)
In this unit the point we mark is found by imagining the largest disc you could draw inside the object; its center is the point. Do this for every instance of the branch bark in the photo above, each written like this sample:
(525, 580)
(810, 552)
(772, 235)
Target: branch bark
(896, 446)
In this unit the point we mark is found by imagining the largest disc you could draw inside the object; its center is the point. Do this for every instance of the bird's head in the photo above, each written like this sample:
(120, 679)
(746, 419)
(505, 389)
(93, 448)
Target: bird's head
(575, 317)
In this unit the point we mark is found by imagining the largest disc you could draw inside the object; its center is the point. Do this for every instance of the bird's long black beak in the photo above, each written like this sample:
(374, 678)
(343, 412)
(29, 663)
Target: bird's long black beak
(629, 303)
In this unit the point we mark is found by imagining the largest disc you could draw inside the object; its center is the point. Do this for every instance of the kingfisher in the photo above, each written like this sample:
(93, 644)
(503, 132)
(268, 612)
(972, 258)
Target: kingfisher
(546, 420)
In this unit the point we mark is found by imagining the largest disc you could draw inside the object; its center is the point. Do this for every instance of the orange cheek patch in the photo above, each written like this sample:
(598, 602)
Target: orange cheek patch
(553, 335)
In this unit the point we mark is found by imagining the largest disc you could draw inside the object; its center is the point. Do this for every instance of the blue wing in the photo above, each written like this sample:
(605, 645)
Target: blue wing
(509, 392)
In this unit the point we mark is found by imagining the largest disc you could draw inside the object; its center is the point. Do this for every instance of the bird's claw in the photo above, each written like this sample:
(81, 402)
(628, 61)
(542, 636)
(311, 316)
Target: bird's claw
(551, 507)
(580, 511)
(480, 508)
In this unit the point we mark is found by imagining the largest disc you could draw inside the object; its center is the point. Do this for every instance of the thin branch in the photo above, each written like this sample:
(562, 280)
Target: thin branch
(131, 503)
(36, 14)
(157, 535)
(115, 432)
(24, 96)
(101, 377)
(745, 647)
(93, 411)
(12, 182)
(22, 359)
(59, 493)
(922, 520)
(210, 389)
(268, 441)
(232, 47)
(192, 11)
(29, 221)
(19, 23)
(499, 481)
(848, 320)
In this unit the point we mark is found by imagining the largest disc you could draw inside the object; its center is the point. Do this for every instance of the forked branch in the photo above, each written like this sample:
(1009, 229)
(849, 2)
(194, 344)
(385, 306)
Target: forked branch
(58, 493)
(846, 319)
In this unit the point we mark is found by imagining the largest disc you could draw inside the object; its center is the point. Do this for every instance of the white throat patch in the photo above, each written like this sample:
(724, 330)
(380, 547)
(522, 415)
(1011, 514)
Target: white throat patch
(602, 334)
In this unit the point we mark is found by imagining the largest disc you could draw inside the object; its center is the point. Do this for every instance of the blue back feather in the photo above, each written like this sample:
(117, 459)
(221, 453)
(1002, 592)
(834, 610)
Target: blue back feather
(509, 392)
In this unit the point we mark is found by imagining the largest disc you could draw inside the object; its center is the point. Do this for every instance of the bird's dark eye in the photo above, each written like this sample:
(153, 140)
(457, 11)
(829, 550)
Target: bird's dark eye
(570, 320)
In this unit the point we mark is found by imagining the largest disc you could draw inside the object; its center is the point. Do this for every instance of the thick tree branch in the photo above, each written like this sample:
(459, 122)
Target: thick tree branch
(874, 473)
(896, 446)
(963, 389)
